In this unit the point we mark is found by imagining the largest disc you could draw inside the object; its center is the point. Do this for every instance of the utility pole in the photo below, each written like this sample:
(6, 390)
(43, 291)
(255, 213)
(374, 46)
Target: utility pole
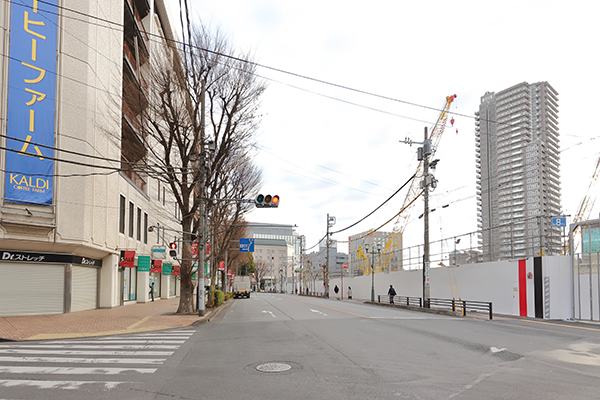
(202, 213)
(330, 223)
(426, 151)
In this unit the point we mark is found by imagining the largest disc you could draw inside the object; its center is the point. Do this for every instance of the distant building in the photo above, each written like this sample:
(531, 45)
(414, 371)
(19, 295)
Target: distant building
(277, 249)
(518, 172)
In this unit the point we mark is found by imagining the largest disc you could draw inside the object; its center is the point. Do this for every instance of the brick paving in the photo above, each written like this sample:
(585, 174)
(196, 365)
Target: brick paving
(139, 317)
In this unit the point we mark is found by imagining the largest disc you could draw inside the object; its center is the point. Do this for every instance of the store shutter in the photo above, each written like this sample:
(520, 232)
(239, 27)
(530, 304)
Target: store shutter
(84, 288)
(30, 289)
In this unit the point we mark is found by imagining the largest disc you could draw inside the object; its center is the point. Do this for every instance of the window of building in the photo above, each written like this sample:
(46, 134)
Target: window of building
(145, 228)
(139, 224)
(131, 219)
(122, 214)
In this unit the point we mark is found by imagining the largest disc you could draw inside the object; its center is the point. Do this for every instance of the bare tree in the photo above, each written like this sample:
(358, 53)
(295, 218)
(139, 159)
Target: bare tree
(175, 138)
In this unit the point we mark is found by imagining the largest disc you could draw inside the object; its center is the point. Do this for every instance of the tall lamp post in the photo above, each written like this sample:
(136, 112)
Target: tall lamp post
(373, 269)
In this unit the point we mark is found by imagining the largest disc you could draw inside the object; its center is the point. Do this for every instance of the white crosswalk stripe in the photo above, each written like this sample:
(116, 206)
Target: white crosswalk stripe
(32, 365)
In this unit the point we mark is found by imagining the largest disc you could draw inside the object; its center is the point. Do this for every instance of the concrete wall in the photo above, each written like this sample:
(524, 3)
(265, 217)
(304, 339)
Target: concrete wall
(497, 282)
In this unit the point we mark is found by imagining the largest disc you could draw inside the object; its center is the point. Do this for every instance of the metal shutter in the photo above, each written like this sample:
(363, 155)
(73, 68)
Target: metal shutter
(84, 288)
(29, 289)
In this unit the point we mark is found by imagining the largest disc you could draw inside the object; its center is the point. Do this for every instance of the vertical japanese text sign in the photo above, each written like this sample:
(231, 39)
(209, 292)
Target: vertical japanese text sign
(31, 101)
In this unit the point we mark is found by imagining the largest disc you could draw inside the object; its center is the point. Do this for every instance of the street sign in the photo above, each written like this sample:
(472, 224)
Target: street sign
(345, 265)
(559, 221)
(159, 252)
(221, 265)
(246, 245)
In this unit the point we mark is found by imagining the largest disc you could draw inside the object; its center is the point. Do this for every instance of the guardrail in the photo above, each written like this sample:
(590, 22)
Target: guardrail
(403, 300)
(456, 305)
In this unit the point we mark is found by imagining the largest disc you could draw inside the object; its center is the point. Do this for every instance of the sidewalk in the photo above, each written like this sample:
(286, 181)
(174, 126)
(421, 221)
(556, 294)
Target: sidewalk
(132, 318)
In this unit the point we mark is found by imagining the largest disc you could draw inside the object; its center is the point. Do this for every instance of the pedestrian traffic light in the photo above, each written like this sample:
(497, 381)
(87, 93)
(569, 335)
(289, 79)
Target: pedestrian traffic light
(267, 201)
(173, 250)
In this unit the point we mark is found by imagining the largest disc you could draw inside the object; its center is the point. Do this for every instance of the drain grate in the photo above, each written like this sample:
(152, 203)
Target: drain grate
(273, 367)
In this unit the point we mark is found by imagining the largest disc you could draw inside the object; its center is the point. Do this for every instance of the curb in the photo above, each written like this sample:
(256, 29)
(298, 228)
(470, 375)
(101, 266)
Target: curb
(209, 317)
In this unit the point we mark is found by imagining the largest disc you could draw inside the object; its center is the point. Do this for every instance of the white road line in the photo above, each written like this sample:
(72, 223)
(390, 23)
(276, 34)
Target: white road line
(120, 341)
(318, 312)
(73, 370)
(89, 352)
(69, 385)
(50, 346)
(84, 360)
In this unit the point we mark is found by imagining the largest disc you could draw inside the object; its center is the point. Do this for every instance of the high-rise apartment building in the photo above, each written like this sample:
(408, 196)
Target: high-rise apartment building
(518, 172)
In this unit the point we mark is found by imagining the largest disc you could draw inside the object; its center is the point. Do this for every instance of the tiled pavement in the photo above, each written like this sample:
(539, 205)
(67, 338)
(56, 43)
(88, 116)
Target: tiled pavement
(139, 317)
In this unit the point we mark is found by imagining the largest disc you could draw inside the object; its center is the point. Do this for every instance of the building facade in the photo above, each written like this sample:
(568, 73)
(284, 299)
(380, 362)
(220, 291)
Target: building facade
(518, 172)
(76, 204)
(277, 253)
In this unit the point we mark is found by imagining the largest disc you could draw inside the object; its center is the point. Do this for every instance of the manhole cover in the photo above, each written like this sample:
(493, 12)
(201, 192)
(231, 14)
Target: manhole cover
(273, 367)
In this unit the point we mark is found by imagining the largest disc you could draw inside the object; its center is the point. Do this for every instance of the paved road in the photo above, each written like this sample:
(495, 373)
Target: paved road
(289, 347)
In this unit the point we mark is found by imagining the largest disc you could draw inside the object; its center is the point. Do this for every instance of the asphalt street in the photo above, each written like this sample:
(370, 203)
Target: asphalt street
(290, 347)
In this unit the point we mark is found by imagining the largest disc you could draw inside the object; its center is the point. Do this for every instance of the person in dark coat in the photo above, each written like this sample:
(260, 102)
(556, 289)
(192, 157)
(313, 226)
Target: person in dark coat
(391, 293)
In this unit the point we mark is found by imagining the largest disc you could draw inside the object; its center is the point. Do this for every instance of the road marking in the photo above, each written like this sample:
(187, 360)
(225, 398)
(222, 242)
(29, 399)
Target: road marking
(561, 325)
(69, 385)
(89, 346)
(88, 352)
(496, 350)
(318, 312)
(269, 312)
(121, 341)
(84, 360)
(331, 308)
(73, 370)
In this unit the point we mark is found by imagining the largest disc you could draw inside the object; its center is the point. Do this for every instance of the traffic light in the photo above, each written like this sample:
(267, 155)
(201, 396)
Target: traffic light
(173, 250)
(267, 201)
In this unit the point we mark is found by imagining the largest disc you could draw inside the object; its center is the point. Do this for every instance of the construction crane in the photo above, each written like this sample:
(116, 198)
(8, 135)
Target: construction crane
(585, 206)
(395, 239)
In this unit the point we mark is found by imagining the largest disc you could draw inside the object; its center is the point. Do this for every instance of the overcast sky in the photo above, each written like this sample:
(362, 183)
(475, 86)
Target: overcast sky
(324, 149)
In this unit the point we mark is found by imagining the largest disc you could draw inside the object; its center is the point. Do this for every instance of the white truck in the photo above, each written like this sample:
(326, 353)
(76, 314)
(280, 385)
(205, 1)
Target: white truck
(241, 287)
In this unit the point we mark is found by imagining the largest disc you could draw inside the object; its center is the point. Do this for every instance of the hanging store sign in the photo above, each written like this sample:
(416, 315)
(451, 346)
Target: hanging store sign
(167, 269)
(127, 259)
(31, 102)
(156, 266)
(143, 264)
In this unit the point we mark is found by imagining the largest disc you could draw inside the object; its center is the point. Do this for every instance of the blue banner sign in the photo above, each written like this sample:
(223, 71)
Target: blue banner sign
(246, 245)
(31, 102)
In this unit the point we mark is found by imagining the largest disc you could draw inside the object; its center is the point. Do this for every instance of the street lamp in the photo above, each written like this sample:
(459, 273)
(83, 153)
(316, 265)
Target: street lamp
(373, 268)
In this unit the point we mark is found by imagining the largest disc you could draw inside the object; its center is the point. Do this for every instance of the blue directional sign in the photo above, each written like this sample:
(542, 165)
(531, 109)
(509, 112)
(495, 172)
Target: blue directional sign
(246, 245)
(559, 221)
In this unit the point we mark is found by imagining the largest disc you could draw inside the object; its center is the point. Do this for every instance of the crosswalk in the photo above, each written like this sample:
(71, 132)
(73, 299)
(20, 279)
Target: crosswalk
(81, 362)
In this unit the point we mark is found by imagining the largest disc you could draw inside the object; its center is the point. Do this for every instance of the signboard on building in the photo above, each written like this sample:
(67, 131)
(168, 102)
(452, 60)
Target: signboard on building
(31, 102)
(159, 252)
(156, 267)
(167, 269)
(143, 264)
(127, 259)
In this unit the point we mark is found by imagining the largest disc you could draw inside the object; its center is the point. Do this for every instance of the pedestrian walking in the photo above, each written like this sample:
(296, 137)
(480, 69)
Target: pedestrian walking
(349, 293)
(391, 293)
(152, 291)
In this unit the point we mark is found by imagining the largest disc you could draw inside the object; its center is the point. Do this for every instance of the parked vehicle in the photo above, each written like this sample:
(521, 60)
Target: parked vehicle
(241, 287)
